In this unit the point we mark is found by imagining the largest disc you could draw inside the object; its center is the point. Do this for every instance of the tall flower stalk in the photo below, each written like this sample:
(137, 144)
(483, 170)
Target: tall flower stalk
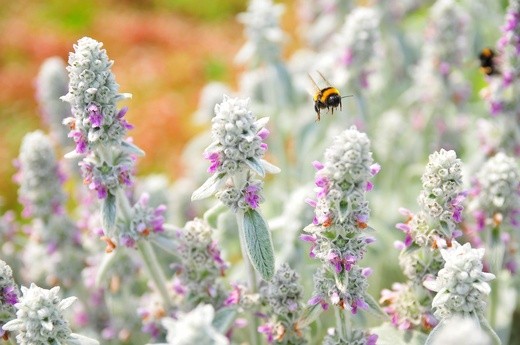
(236, 164)
(99, 130)
(339, 232)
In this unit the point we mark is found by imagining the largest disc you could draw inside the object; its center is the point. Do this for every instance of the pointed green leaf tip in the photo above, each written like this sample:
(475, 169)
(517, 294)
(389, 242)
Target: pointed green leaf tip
(209, 187)
(259, 244)
(108, 212)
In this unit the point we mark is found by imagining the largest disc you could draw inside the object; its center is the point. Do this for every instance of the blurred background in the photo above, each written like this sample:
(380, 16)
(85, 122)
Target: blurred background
(164, 52)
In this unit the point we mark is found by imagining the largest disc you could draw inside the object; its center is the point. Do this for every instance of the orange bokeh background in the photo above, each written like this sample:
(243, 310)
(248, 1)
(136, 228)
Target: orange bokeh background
(164, 53)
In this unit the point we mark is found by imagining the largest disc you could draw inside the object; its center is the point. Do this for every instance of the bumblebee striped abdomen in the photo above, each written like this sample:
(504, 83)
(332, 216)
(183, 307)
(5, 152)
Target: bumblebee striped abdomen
(327, 98)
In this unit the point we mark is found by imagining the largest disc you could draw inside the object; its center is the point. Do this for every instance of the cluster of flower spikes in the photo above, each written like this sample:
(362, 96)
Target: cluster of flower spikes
(97, 127)
(495, 204)
(461, 285)
(8, 296)
(39, 177)
(200, 266)
(39, 318)
(338, 232)
(236, 151)
(283, 296)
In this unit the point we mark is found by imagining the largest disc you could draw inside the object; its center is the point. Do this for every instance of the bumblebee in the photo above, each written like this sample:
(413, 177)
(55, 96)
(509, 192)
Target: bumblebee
(326, 98)
(488, 61)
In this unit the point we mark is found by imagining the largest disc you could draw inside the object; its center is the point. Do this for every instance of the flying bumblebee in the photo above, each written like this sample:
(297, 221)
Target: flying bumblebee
(488, 61)
(326, 98)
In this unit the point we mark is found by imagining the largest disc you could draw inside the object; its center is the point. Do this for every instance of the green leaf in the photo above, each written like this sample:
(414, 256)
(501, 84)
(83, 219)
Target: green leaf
(389, 335)
(224, 319)
(309, 315)
(270, 168)
(131, 148)
(258, 243)
(487, 327)
(374, 307)
(255, 165)
(209, 187)
(108, 212)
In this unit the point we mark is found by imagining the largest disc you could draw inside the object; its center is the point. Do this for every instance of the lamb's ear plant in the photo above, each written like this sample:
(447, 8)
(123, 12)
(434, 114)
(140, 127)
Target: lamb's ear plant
(237, 167)
(99, 131)
(339, 236)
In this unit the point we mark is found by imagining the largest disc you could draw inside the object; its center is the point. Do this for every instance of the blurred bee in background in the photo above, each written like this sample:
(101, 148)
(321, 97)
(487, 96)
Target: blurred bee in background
(488, 63)
(326, 98)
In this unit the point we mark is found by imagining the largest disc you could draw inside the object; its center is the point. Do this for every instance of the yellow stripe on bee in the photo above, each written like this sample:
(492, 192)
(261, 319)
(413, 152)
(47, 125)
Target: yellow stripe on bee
(326, 93)
(486, 52)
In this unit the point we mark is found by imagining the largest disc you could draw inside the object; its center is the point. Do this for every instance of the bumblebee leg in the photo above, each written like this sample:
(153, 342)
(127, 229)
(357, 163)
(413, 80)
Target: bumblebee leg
(317, 110)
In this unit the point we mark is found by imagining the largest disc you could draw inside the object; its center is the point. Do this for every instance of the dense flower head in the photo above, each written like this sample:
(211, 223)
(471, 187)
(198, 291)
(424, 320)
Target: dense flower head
(39, 177)
(263, 32)
(52, 83)
(461, 285)
(283, 295)
(249, 197)
(39, 318)
(357, 40)
(106, 177)
(440, 199)
(201, 263)
(497, 188)
(194, 327)
(284, 292)
(359, 337)
(342, 180)
(93, 96)
(145, 221)
(8, 295)
(238, 137)
(345, 294)
(401, 303)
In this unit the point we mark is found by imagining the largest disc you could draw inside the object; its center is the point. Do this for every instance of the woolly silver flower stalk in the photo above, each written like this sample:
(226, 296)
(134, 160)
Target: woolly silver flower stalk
(461, 286)
(52, 83)
(283, 297)
(39, 319)
(338, 232)
(440, 201)
(236, 155)
(39, 178)
(99, 131)
(9, 294)
(195, 327)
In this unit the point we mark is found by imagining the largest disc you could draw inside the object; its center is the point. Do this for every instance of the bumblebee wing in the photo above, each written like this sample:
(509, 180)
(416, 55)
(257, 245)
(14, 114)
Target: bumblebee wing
(316, 87)
(324, 79)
